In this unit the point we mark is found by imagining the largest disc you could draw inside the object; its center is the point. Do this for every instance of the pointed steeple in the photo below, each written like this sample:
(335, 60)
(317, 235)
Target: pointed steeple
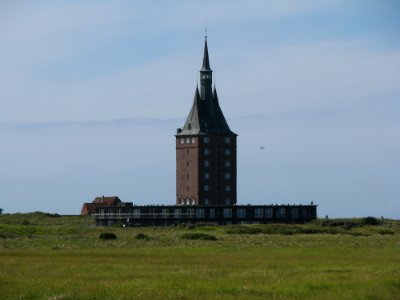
(206, 60)
(205, 116)
(205, 76)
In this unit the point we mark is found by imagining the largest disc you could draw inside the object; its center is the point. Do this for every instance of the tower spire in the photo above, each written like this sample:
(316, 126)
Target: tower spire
(206, 60)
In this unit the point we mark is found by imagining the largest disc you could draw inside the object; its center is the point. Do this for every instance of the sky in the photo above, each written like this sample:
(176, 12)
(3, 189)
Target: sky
(91, 94)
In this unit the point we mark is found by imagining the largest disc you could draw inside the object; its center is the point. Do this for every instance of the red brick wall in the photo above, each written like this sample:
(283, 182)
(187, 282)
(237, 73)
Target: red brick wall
(191, 169)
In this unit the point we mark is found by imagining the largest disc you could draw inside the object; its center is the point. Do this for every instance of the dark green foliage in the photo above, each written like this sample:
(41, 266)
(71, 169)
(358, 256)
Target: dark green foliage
(142, 236)
(243, 230)
(198, 236)
(371, 221)
(346, 224)
(278, 229)
(386, 231)
(107, 236)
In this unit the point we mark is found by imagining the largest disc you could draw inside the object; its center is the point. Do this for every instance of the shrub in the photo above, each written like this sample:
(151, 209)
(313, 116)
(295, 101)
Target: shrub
(107, 236)
(386, 231)
(243, 230)
(198, 236)
(371, 221)
(142, 236)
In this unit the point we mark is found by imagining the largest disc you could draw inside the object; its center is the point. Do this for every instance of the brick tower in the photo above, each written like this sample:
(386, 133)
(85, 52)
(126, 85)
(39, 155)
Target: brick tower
(205, 149)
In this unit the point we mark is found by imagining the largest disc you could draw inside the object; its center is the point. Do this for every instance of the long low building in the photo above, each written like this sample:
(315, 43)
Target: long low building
(167, 215)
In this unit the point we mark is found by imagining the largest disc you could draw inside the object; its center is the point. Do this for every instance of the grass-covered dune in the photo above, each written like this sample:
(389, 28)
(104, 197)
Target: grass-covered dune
(47, 256)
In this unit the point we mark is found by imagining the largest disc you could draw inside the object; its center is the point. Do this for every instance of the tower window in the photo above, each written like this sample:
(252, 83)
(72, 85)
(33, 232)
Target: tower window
(206, 151)
(227, 201)
(206, 163)
(227, 140)
(182, 140)
(206, 175)
(206, 140)
(206, 188)
(193, 140)
(227, 164)
(227, 188)
(189, 126)
(227, 176)
(187, 140)
(206, 201)
(227, 151)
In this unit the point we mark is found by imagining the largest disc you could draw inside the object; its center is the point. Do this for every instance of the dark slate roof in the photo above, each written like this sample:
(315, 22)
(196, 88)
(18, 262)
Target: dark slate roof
(205, 116)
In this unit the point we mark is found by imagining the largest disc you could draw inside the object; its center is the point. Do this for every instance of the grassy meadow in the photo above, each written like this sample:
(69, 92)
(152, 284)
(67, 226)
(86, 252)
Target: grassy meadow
(44, 256)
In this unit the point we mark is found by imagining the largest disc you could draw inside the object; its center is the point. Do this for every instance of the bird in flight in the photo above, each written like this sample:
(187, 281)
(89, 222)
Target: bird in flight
(262, 147)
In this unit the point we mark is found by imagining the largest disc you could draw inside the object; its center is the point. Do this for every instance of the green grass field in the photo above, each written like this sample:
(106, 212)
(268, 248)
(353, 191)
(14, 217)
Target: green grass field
(51, 257)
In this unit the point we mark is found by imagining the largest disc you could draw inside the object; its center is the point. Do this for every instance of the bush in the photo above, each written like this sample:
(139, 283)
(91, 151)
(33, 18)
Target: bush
(142, 236)
(243, 230)
(107, 236)
(371, 221)
(386, 231)
(198, 236)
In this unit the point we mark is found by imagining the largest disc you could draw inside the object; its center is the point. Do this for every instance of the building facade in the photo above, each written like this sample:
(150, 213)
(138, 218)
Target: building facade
(206, 149)
(167, 215)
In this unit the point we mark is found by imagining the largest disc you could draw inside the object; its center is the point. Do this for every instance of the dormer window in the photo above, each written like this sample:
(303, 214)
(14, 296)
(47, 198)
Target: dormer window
(189, 126)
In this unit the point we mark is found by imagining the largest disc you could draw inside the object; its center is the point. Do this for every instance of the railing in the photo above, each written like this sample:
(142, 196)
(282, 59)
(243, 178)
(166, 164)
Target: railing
(143, 215)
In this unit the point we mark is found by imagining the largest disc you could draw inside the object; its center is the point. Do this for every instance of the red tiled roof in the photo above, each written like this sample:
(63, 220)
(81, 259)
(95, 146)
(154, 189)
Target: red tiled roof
(90, 208)
(107, 200)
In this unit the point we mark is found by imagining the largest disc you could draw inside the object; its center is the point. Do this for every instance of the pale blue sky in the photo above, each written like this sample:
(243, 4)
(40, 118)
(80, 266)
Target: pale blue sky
(91, 94)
